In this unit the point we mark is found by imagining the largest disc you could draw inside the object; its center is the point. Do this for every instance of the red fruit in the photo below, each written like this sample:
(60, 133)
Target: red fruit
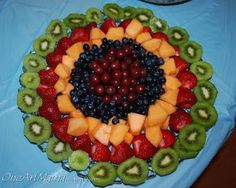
(50, 111)
(107, 24)
(125, 23)
(59, 129)
(53, 59)
(48, 77)
(168, 139)
(147, 29)
(186, 98)
(179, 119)
(47, 92)
(63, 44)
(188, 79)
(82, 142)
(180, 63)
(160, 35)
(121, 152)
(100, 152)
(143, 149)
(80, 34)
(177, 50)
(90, 26)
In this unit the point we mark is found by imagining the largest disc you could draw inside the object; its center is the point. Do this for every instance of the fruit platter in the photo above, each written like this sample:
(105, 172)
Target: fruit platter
(117, 95)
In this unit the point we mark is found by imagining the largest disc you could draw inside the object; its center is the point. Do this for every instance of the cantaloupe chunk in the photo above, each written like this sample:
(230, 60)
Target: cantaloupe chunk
(128, 138)
(97, 42)
(68, 61)
(169, 108)
(152, 45)
(118, 133)
(93, 123)
(156, 53)
(172, 82)
(170, 96)
(77, 126)
(96, 33)
(165, 125)
(156, 115)
(134, 28)
(60, 85)
(68, 89)
(136, 122)
(64, 104)
(166, 50)
(75, 50)
(154, 135)
(169, 66)
(77, 114)
(142, 37)
(115, 33)
(62, 71)
(102, 133)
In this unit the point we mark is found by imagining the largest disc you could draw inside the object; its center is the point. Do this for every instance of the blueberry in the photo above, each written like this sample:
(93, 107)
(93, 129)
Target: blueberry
(86, 47)
(125, 41)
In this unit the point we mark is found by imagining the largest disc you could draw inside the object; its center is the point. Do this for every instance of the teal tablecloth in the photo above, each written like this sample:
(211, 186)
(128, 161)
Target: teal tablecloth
(210, 22)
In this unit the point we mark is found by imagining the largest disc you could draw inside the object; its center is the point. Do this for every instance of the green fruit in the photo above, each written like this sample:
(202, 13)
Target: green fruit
(79, 160)
(57, 29)
(177, 35)
(165, 161)
(202, 70)
(129, 12)
(34, 63)
(191, 51)
(37, 129)
(44, 45)
(134, 171)
(158, 25)
(94, 15)
(74, 20)
(204, 114)
(28, 100)
(102, 174)
(144, 16)
(30, 80)
(205, 91)
(57, 150)
(113, 10)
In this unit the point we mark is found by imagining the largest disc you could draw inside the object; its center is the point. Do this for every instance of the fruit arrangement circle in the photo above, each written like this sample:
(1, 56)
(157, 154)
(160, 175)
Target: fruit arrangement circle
(117, 95)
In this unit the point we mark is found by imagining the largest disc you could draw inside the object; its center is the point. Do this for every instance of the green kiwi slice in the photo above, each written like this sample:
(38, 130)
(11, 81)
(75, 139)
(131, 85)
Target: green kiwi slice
(34, 63)
(79, 160)
(204, 114)
(102, 174)
(57, 150)
(94, 15)
(28, 100)
(37, 129)
(202, 70)
(165, 161)
(57, 29)
(44, 45)
(30, 80)
(74, 20)
(191, 51)
(158, 25)
(177, 35)
(192, 137)
(205, 91)
(113, 10)
(129, 12)
(144, 15)
(133, 171)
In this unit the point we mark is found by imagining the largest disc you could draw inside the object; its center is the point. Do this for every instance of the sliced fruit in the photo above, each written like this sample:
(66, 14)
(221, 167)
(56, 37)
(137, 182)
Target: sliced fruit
(152, 45)
(202, 70)
(158, 25)
(77, 114)
(100, 152)
(169, 66)
(48, 77)
(188, 80)
(186, 98)
(75, 50)
(77, 126)
(180, 63)
(74, 20)
(143, 37)
(92, 123)
(136, 122)
(115, 33)
(30, 80)
(102, 133)
(62, 71)
(57, 29)
(82, 142)
(107, 24)
(134, 28)
(169, 108)
(172, 82)
(177, 35)
(168, 139)
(96, 33)
(154, 135)
(166, 50)
(50, 111)
(165, 125)
(44, 45)
(54, 58)
(128, 138)
(34, 63)
(118, 133)
(47, 93)
(63, 44)
(170, 96)
(94, 15)
(160, 35)
(68, 61)
(79, 160)
(69, 87)
(129, 12)
(144, 15)
(125, 23)
(60, 85)
(64, 104)
(156, 115)
(113, 10)
(80, 34)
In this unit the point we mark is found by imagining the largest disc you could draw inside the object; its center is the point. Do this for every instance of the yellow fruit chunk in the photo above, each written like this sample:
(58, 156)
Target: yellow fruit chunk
(60, 85)
(128, 138)
(64, 104)
(170, 96)
(97, 42)
(136, 122)
(102, 133)
(62, 71)
(152, 45)
(134, 28)
(75, 50)
(156, 115)
(165, 125)
(68, 89)
(169, 108)
(154, 135)
(77, 114)
(115, 33)
(142, 37)
(118, 133)
(172, 82)
(169, 66)
(68, 61)
(96, 33)
(166, 50)
(77, 126)
(156, 53)
(93, 123)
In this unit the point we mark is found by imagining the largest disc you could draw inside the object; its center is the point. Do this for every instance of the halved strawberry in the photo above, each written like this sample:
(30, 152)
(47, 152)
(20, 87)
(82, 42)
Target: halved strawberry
(90, 26)
(168, 139)
(107, 24)
(180, 63)
(125, 23)
(63, 44)
(188, 79)
(186, 98)
(50, 111)
(47, 92)
(100, 152)
(147, 29)
(80, 34)
(160, 35)
(48, 77)
(82, 142)
(53, 59)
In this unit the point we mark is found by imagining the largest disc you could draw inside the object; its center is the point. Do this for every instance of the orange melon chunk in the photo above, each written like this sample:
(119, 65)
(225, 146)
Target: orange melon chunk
(102, 133)
(152, 45)
(118, 133)
(93, 123)
(64, 104)
(169, 66)
(165, 125)
(75, 50)
(68, 89)
(60, 85)
(97, 42)
(136, 122)
(115, 33)
(128, 138)
(62, 71)
(77, 126)
(169, 108)
(134, 28)
(170, 96)
(154, 135)
(156, 53)
(142, 37)
(68, 61)
(96, 33)
(166, 50)
(172, 82)
(156, 115)
(77, 114)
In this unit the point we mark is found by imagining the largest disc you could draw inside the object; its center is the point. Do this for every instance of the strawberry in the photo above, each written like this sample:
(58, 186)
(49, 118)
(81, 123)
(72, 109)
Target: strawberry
(188, 79)
(63, 44)
(179, 119)
(121, 152)
(82, 142)
(186, 98)
(59, 129)
(168, 139)
(48, 77)
(147, 29)
(107, 24)
(160, 35)
(90, 26)
(53, 59)
(180, 63)
(142, 147)
(125, 23)
(80, 34)
(47, 92)
(177, 50)
(100, 152)
(50, 111)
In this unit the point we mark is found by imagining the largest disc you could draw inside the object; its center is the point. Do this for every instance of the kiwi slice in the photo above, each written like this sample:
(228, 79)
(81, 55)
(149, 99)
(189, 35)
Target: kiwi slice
(94, 15)
(192, 137)
(34, 63)
(165, 161)
(37, 129)
(44, 45)
(57, 29)
(191, 51)
(158, 25)
(204, 113)
(79, 160)
(129, 12)
(102, 174)
(28, 100)
(133, 171)
(113, 10)
(205, 91)
(144, 15)
(30, 80)
(202, 70)
(177, 35)
(74, 20)
(57, 150)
